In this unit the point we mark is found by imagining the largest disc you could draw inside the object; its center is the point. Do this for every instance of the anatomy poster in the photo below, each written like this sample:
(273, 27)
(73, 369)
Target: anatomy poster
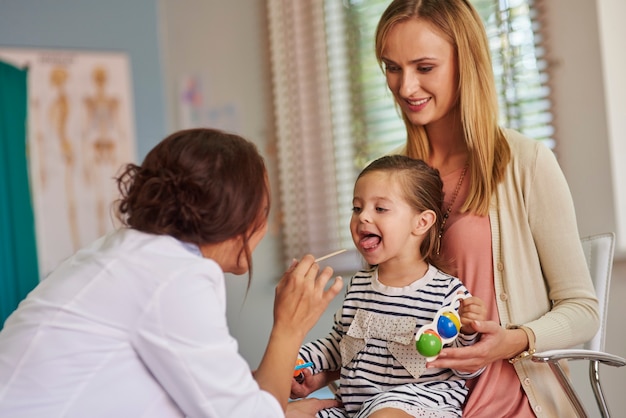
(81, 132)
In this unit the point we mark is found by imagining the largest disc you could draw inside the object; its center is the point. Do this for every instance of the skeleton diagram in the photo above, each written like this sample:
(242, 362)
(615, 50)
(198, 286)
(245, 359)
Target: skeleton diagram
(58, 113)
(101, 134)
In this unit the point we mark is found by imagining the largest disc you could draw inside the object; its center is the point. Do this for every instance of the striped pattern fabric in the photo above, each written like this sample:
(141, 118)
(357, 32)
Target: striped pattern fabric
(373, 378)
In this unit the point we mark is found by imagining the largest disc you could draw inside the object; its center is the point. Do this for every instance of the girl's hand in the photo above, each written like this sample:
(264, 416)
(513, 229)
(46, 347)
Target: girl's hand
(311, 383)
(496, 343)
(470, 310)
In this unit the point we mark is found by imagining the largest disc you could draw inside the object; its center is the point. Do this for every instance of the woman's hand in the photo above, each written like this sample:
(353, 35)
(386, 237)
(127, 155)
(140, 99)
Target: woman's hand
(496, 343)
(307, 408)
(471, 309)
(302, 297)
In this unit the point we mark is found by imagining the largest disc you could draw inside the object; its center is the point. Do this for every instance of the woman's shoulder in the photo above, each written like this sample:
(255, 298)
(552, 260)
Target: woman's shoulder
(523, 146)
(529, 155)
(162, 252)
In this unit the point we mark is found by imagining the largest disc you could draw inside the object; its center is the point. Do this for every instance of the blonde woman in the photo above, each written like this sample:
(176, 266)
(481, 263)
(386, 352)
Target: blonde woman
(511, 228)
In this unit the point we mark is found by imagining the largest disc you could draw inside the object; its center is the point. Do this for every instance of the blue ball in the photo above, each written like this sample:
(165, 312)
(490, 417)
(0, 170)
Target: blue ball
(446, 327)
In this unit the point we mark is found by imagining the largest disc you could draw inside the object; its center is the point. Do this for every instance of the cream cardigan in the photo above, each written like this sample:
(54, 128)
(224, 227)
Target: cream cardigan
(540, 274)
(541, 278)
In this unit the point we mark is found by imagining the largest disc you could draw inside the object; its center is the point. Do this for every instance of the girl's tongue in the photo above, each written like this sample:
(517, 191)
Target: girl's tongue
(370, 241)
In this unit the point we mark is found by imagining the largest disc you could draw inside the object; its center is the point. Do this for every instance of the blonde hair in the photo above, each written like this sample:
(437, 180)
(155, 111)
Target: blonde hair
(489, 152)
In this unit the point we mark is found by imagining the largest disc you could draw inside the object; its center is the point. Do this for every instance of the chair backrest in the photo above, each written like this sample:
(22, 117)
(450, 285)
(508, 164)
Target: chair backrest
(599, 250)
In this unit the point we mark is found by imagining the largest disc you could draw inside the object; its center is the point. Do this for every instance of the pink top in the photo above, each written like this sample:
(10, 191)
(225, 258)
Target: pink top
(497, 392)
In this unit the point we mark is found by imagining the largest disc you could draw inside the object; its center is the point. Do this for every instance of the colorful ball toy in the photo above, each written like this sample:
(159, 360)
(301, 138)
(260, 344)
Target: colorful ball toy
(431, 338)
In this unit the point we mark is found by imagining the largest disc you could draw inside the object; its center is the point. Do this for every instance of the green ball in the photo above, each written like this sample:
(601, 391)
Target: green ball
(429, 344)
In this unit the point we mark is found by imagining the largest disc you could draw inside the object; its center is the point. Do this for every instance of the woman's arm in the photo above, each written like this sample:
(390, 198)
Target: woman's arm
(300, 301)
(545, 254)
(183, 339)
(573, 317)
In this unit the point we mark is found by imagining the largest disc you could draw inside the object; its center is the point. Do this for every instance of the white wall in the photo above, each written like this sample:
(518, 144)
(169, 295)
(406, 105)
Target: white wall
(226, 43)
(585, 40)
(612, 37)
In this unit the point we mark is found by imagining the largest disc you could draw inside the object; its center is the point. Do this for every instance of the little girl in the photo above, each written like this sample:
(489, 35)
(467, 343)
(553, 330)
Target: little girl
(396, 225)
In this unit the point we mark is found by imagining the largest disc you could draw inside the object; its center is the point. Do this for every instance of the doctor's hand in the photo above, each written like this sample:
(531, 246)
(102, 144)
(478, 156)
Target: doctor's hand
(302, 296)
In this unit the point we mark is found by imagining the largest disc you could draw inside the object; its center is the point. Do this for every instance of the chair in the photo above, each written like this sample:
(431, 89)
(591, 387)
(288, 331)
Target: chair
(599, 251)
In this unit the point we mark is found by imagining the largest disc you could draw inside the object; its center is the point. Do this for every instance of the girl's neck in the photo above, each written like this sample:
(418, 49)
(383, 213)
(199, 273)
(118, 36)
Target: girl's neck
(393, 273)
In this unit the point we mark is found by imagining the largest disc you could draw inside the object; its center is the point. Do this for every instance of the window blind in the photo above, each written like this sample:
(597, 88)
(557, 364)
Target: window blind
(334, 112)
(519, 65)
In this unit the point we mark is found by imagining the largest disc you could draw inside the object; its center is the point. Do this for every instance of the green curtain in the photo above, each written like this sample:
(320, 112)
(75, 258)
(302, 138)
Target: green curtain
(18, 251)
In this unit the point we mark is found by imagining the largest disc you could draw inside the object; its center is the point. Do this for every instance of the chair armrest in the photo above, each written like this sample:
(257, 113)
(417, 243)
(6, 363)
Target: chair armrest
(552, 356)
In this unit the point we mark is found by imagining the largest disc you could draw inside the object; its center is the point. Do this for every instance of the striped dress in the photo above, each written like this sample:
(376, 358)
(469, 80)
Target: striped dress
(373, 343)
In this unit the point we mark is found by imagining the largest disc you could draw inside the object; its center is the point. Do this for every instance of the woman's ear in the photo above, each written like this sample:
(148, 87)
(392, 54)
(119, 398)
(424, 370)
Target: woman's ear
(424, 221)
